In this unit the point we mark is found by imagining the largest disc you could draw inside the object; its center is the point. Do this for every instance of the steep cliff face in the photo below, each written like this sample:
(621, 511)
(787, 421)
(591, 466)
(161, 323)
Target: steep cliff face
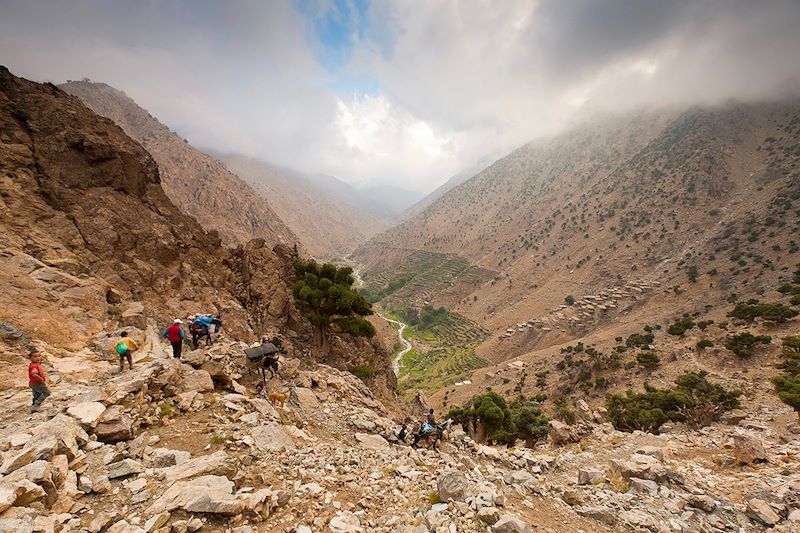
(197, 184)
(89, 241)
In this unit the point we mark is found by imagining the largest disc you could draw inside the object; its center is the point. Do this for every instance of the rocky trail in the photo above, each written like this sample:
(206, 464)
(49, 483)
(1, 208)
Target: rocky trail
(176, 446)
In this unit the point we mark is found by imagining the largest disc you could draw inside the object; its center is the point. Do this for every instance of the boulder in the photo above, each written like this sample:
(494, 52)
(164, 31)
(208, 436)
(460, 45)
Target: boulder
(374, 442)
(305, 398)
(489, 515)
(156, 521)
(114, 425)
(589, 476)
(271, 437)
(652, 451)
(163, 458)
(126, 467)
(197, 380)
(760, 511)
(560, 433)
(205, 494)
(345, 522)
(639, 466)
(87, 413)
(748, 449)
(102, 520)
(59, 435)
(217, 463)
(452, 484)
(642, 486)
(509, 523)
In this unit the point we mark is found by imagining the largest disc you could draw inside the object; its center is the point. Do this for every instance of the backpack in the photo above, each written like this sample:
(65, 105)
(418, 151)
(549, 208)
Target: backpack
(122, 348)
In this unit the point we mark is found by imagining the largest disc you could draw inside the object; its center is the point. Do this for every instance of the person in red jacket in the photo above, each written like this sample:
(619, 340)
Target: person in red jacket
(174, 334)
(36, 380)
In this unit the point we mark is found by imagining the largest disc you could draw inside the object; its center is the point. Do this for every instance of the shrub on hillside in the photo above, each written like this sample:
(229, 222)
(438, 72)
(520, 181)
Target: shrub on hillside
(639, 340)
(695, 401)
(742, 344)
(648, 360)
(787, 385)
(704, 343)
(529, 420)
(752, 309)
(569, 300)
(362, 371)
(679, 327)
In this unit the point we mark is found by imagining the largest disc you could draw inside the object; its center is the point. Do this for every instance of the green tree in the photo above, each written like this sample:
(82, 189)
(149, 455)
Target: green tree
(743, 343)
(694, 400)
(569, 300)
(648, 360)
(692, 273)
(787, 385)
(325, 295)
(529, 420)
(492, 412)
(775, 312)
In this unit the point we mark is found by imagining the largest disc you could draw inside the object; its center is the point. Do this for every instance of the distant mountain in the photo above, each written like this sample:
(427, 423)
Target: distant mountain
(329, 216)
(198, 184)
(701, 201)
(391, 201)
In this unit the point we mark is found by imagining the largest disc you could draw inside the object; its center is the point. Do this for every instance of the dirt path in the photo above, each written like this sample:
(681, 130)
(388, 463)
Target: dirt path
(407, 345)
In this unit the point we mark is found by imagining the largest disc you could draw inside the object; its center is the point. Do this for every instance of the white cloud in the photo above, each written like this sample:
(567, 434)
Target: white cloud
(456, 79)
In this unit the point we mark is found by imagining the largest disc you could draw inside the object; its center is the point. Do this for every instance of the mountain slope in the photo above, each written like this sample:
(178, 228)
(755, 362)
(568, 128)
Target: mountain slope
(639, 219)
(198, 184)
(91, 244)
(327, 215)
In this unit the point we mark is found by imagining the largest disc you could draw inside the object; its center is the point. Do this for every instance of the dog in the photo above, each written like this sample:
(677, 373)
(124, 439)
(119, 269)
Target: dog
(278, 398)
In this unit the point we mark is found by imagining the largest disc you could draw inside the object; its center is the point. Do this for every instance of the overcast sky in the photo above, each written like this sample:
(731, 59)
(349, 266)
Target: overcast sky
(402, 93)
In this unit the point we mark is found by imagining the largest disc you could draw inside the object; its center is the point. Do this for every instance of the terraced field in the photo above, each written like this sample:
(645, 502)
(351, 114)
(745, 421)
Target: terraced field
(444, 350)
(420, 277)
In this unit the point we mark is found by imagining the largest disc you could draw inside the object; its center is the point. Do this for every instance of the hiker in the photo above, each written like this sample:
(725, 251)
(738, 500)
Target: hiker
(37, 380)
(174, 334)
(261, 392)
(402, 434)
(417, 434)
(125, 345)
(431, 419)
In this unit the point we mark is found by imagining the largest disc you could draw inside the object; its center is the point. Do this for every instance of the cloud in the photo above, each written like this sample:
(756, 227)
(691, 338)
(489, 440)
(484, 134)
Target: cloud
(402, 92)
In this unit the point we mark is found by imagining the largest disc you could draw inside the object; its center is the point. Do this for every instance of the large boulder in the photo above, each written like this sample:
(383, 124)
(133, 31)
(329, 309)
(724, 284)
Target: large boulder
(271, 437)
(639, 466)
(87, 413)
(374, 442)
(126, 467)
(560, 433)
(206, 494)
(452, 484)
(197, 380)
(748, 449)
(59, 435)
(761, 511)
(217, 463)
(114, 425)
(509, 523)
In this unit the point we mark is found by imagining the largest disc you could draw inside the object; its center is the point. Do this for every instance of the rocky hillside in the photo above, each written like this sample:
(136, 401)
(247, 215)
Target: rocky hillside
(172, 447)
(328, 216)
(613, 226)
(197, 184)
(90, 242)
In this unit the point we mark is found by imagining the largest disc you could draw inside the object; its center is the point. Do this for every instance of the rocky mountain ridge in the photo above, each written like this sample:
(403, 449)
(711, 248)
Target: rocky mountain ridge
(197, 184)
(91, 242)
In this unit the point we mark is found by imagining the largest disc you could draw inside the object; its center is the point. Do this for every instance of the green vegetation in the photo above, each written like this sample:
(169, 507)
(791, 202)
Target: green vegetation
(437, 368)
(324, 294)
(648, 360)
(787, 385)
(420, 275)
(695, 401)
(752, 309)
(638, 340)
(569, 300)
(742, 344)
(680, 326)
(503, 422)
(362, 371)
(704, 343)
(692, 273)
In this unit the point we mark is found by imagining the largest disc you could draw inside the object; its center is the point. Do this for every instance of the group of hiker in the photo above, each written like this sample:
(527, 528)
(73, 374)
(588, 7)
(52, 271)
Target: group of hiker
(199, 325)
(420, 430)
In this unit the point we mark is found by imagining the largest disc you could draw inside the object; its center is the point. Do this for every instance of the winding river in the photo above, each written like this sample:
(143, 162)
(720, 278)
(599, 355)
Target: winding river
(406, 344)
